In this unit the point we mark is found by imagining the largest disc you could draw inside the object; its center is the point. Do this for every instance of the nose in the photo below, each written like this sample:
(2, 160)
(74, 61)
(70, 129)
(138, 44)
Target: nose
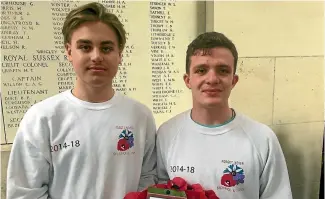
(212, 77)
(96, 55)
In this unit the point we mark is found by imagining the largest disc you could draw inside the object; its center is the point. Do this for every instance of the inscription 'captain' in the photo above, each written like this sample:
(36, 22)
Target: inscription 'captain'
(28, 78)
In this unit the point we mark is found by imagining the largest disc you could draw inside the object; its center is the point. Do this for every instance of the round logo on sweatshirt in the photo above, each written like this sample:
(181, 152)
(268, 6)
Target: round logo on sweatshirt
(232, 176)
(126, 140)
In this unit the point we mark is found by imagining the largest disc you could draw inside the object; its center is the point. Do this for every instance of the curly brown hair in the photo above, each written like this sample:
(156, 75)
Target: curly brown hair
(209, 40)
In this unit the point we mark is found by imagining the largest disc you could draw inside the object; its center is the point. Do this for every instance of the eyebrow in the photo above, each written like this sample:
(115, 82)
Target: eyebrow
(205, 65)
(224, 66)
(86, 41)
(200, 65)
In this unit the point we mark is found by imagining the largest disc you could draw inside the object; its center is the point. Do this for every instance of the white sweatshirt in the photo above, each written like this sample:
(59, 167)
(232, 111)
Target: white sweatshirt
(66, 148)
(239, 160)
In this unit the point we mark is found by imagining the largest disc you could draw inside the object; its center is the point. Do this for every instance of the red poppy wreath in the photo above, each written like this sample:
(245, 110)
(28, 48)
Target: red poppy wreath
(177, 188)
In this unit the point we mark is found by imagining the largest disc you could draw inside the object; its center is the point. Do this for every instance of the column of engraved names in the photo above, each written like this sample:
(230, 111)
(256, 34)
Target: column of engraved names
(65, 73)
(20, 85)
(119, 8)
(16, 25)
(162, 57)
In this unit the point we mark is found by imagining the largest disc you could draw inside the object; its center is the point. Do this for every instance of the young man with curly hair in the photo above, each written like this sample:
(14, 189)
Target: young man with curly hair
(212, 143)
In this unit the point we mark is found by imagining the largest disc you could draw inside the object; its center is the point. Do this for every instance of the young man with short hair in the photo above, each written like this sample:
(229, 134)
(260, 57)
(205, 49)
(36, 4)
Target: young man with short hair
(214, 145)
(88, 142)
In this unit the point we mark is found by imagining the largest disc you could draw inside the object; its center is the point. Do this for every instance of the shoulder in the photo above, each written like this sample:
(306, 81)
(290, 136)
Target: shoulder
(47, 107)
(170, 127)
(254, 128)
(261, 136)
(35, 123)
(135, 106)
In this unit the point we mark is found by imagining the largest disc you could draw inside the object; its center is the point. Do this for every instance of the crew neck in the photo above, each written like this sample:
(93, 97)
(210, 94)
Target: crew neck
(213, 129)
(91, 105)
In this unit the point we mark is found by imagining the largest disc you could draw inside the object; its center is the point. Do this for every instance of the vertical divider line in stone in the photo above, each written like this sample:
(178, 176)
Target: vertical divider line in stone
(209, 16)
(3, 120)
(273, 101)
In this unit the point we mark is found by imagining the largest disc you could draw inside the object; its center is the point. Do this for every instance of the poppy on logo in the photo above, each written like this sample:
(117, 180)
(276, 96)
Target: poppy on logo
(126, 140)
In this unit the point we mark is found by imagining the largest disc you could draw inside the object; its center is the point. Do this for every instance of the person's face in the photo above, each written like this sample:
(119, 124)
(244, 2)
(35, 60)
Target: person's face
(211, 77)
(94, 53)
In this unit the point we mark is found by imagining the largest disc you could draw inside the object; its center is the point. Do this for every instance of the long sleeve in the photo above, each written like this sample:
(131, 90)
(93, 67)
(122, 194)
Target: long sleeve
(274, 181)
(148, 172)
(28, 169)
(161, 168)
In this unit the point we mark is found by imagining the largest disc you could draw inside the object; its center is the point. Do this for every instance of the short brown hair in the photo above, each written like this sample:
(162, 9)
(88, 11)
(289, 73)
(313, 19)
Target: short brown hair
(208, 41)
(93, 12)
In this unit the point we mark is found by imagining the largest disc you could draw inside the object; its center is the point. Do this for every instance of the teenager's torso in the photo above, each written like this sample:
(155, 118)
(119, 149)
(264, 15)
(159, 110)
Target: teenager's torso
(223, 159)
(95, 150)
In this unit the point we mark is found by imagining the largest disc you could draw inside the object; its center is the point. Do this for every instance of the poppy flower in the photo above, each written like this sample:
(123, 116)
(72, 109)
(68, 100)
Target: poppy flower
(177, 183)
(123, 145)
(228, 180)
(137, 195)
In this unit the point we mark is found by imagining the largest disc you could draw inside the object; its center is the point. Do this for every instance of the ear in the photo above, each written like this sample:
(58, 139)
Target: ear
(186, 79)
(68, 51)
(235, 80)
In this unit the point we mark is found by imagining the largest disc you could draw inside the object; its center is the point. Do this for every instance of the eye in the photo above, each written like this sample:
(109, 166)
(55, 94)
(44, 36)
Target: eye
(224, 71)
(200, 70)
(107, 49)
(85, 48)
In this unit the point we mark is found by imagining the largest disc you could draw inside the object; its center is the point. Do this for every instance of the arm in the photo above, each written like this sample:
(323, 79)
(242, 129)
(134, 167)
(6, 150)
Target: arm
(28, 169)
(274, 181)
(162, 173)
(148, 172)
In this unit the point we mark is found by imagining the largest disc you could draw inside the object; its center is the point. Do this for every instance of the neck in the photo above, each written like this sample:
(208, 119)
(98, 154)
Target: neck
(93, 94)
(211, 116)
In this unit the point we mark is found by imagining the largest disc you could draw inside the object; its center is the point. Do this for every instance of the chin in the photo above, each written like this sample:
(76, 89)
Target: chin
(98, 84)
(212, 103)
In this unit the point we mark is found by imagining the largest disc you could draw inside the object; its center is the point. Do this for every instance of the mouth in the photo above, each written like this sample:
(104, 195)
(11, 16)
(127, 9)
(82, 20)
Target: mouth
(212, 91)
(97, 69)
